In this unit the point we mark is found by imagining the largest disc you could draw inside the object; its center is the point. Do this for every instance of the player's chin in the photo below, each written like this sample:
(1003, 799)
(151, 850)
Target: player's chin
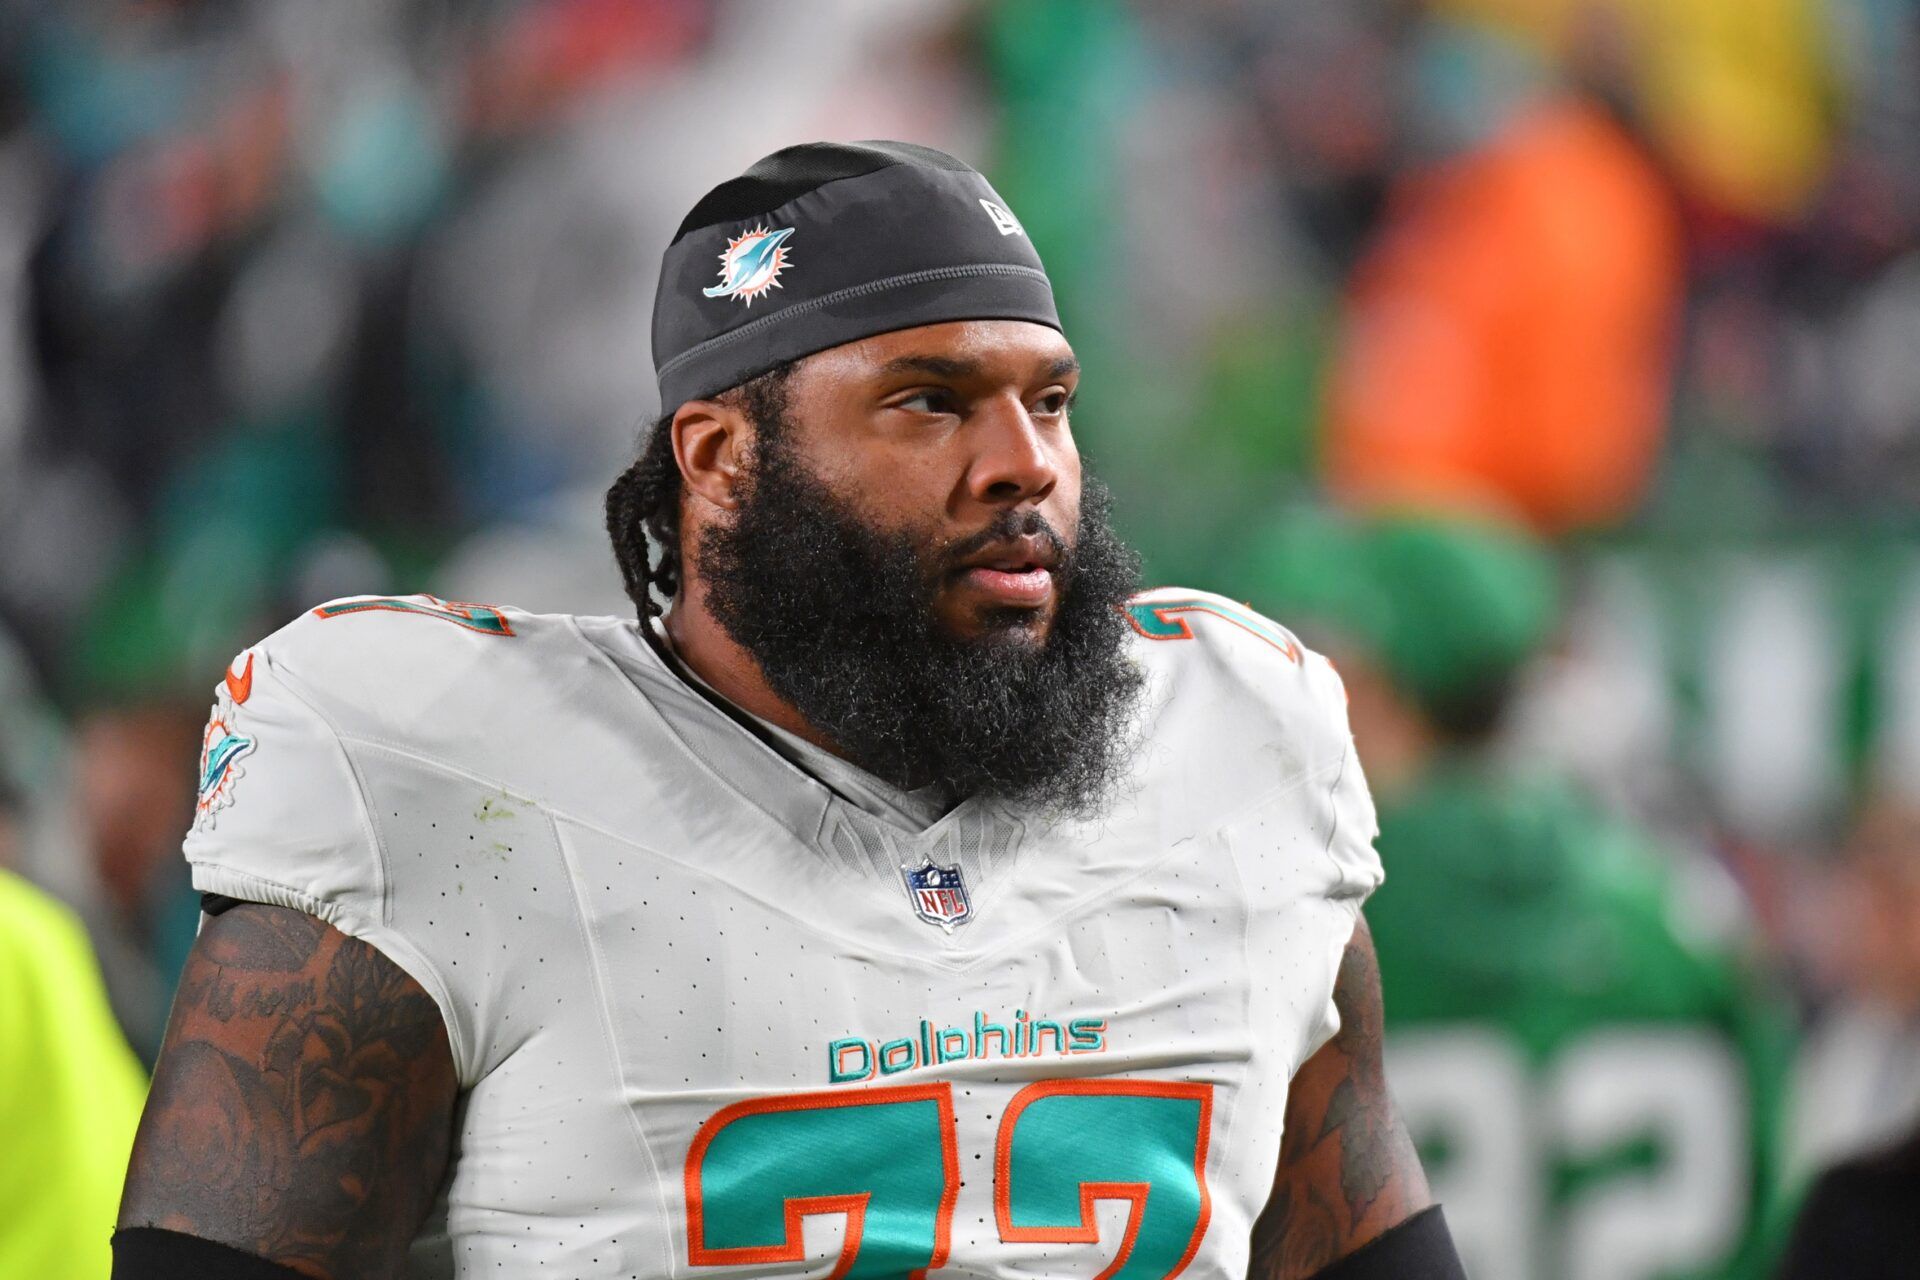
(967, 617)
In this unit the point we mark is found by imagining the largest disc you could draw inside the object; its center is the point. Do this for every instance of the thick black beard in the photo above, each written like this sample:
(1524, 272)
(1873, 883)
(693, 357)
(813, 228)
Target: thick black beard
(840, 618)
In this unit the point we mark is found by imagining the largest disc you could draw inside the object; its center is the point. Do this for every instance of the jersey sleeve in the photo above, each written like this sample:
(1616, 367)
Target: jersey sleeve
(1340, 805)
(1261, 721)
(1355, 823)
(281, 816)
(1259, 734)
(278, 816)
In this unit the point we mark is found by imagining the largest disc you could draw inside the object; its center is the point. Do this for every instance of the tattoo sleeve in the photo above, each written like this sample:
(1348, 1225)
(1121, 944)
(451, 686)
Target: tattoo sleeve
(303, 1102)
(1348, 1170)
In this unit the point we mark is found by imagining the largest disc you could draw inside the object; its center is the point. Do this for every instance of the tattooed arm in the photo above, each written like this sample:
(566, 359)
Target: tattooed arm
(1348, 1171)
(303, 1102)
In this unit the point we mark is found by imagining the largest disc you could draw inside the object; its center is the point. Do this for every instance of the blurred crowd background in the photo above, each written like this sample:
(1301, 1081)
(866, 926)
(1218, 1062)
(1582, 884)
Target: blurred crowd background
(1554, 364)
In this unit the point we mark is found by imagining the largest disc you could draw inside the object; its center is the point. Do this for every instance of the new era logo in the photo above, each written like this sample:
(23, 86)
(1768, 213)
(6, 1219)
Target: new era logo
(1003, 220)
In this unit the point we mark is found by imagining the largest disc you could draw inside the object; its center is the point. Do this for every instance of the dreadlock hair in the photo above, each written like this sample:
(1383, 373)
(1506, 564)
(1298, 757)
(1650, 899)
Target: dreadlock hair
(644, 503)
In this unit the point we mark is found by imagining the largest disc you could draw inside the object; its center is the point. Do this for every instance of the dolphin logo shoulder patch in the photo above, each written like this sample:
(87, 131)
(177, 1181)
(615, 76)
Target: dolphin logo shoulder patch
(222, 747)
(752, 264)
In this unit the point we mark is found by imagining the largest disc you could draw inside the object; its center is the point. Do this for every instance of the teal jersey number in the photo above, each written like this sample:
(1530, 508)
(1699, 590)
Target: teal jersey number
(1161, 620)
(483, 618)
(1065, 1144)
(887, 1159)
(883, 1157)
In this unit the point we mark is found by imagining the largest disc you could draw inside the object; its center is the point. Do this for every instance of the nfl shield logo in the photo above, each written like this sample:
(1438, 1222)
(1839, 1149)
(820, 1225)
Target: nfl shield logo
(939, 894)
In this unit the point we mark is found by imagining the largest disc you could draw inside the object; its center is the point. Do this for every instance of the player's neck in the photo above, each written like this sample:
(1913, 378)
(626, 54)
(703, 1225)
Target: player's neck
(703, 645)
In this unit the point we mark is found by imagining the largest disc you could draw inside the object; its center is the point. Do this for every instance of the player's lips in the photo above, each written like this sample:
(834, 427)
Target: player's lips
(1018, 571)
(1027, 587)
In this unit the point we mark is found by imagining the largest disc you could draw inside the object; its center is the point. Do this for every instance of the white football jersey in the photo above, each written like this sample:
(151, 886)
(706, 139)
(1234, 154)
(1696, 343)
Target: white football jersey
(711, 1019)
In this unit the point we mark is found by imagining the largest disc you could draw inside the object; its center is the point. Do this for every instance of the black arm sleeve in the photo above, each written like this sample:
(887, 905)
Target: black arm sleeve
(150, 1253)
(1421, 1248)
(1857, 1222)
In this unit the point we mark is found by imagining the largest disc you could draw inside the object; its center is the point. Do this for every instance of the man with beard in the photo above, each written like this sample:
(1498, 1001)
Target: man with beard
(909, 893)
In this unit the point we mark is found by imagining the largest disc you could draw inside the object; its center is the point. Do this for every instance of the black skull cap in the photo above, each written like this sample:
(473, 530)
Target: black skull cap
(826, 243)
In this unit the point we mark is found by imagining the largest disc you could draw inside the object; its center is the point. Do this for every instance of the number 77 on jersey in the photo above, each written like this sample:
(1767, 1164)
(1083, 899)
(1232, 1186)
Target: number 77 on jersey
(888, 1160)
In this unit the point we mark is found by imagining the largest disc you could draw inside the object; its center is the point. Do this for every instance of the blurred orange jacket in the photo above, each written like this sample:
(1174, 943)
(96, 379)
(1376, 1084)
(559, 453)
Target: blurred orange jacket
(1508, 341)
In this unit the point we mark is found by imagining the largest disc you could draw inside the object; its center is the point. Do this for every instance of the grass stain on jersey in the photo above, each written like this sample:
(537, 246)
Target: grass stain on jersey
(492, 810)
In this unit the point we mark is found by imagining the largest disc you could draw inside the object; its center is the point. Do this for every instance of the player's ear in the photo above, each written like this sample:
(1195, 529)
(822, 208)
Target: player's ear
(710, 442)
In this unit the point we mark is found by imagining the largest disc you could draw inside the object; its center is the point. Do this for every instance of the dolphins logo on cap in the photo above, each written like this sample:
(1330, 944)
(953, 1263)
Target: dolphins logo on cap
(752, 264)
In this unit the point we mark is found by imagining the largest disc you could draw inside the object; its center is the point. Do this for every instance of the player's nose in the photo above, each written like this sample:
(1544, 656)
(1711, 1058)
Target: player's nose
(1015, 461)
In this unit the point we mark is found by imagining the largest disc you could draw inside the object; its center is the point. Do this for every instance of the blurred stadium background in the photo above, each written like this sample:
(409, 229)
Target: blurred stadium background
(1553, 363)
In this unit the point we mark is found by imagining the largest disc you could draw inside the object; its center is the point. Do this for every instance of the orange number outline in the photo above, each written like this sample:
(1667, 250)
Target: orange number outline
(462, 613)
(1165, 612)
(796, 1208)
(1135, 1193)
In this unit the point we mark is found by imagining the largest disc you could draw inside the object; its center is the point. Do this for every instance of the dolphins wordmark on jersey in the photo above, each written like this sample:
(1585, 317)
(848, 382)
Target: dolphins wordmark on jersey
(700, 1027)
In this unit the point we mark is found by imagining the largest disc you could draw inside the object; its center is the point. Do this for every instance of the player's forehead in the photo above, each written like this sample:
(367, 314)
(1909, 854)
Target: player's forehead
(989, 352)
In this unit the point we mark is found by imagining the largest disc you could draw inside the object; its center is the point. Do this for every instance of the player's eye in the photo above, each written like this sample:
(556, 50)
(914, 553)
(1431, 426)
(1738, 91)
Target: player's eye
(931, 400)
(1054, 403)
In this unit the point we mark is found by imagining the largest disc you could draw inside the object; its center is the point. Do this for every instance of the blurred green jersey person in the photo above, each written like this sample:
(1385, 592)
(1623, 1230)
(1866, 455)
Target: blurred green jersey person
(1594, 1083)
(1597, 1092)
(70, 1095)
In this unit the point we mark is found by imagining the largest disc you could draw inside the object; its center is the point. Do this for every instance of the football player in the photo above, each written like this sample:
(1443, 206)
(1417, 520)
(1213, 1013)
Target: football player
(901, 894)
